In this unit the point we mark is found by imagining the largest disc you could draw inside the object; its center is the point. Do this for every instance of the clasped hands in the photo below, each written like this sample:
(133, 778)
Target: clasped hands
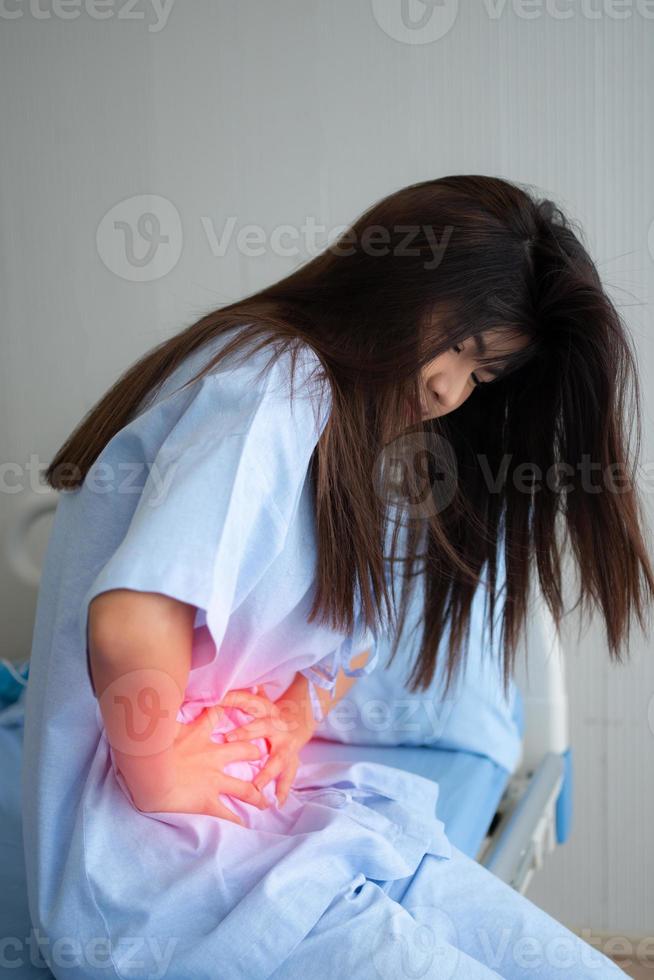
(285, 725)
(197, 775)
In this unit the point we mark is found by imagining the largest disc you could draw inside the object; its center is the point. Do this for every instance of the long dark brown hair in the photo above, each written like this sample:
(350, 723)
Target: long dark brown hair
(421, 271)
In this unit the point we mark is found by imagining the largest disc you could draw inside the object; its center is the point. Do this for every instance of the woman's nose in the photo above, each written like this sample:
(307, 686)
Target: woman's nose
(448, 388)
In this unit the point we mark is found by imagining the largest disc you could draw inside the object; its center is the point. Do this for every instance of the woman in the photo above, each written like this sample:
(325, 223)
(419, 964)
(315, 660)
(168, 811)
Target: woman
(218, 568)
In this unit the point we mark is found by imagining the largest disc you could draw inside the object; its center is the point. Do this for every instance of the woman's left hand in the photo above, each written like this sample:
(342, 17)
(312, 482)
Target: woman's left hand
(285, 725)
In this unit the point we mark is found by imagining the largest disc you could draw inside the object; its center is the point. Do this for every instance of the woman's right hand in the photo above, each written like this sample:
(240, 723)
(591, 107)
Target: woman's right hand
(197, 776)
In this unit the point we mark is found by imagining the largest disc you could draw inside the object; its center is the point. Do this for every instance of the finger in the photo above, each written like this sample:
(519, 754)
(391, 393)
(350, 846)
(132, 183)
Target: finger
(270, 771)
(211, 716)
(271, 725)
(254, 729)
(285, 781)
(238, 751)
(215, 808)
(242, 789)
(254, 704)
(241, 694)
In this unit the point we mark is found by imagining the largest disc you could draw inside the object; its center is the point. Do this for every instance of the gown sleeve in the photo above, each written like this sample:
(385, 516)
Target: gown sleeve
(220, 492)
(324, 673)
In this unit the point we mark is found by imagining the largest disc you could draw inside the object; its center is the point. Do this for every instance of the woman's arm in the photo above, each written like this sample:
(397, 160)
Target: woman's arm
(140, 657)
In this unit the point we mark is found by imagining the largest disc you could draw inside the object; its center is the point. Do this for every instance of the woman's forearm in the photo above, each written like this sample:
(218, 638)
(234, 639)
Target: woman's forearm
(140, 657)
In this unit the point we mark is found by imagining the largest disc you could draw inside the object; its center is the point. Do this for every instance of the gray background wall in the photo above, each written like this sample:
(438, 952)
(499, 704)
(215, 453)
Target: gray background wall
(275, 113)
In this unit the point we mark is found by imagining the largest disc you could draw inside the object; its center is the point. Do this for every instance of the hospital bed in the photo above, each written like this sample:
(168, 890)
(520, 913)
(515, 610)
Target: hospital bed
(509, 821)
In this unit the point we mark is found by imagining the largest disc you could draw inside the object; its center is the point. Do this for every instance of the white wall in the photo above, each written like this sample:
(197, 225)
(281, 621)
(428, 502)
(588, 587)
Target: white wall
(273, 112)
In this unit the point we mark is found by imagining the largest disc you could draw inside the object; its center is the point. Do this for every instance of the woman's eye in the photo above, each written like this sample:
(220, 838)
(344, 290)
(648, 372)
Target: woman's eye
(458, 348)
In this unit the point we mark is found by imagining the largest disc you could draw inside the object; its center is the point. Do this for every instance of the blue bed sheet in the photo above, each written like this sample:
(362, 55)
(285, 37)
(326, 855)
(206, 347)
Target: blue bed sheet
(18, 956)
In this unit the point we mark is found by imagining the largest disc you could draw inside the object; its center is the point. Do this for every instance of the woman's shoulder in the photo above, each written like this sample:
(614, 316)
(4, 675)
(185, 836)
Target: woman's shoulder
(273, 402)
(263, 361)
(259, 370)
(235, 427)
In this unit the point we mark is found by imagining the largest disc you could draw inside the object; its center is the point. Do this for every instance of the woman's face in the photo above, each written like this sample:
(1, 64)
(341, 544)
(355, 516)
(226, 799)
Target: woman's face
(452, 377)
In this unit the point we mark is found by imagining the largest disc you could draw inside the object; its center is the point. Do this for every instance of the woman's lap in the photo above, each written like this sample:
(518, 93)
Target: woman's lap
(451, 919)
(365, 934)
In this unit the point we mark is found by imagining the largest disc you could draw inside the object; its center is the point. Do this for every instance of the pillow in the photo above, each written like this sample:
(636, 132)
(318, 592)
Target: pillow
(475, 716)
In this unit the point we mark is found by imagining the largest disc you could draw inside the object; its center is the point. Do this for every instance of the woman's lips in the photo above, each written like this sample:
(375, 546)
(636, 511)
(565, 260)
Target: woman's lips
(425, 412)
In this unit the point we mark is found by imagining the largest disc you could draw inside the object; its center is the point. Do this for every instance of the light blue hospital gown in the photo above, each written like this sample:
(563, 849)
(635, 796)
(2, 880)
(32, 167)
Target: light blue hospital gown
(205, 496)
